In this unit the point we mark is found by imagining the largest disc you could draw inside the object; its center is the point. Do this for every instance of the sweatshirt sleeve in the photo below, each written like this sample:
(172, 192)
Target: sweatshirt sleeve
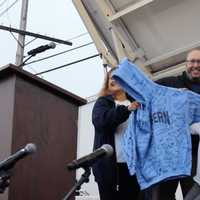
(194, 107)
(129, 145)
(106, 115)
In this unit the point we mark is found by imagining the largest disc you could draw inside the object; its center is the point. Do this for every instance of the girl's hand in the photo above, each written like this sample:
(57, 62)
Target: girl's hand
(133, 106)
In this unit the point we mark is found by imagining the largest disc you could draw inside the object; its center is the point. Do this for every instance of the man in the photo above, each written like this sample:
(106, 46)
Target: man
(190, 79)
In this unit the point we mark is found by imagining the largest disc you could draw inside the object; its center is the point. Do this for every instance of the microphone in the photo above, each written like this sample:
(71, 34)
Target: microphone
(42, 48)
(11, 160)
(105, 150)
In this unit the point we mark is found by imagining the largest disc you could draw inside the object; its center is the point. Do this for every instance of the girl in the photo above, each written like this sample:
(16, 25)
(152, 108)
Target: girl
(109, 117)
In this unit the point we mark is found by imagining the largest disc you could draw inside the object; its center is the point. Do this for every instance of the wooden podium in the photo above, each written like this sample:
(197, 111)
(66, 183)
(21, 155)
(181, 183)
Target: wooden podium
(35, 111)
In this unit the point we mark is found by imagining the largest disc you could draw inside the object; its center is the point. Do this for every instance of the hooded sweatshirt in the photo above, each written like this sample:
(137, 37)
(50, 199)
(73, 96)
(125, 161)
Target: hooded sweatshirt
(157, 142)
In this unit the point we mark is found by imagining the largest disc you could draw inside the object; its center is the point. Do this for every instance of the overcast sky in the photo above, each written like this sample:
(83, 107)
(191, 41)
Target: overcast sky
(57, 19)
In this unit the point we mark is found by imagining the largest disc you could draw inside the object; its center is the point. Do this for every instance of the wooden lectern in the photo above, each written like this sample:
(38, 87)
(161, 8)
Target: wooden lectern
(33, 110)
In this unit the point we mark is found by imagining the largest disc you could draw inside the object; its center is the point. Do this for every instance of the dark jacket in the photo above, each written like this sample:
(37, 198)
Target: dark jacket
(106, 116)
(183, 81)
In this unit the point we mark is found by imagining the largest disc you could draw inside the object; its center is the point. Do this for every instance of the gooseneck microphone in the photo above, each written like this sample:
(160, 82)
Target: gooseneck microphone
(42, 48)
(105, 150)
(11, 160)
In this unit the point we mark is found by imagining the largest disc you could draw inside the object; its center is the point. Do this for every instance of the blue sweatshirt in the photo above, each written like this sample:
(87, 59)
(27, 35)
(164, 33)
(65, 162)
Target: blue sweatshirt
(157, 142)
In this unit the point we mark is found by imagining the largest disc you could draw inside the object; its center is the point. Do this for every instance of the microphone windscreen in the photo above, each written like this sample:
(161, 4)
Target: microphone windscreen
(108, 148)
(52, 45)
(30, 148)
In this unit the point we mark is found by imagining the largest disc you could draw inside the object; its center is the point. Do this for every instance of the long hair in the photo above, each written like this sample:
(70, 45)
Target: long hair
(105, 91)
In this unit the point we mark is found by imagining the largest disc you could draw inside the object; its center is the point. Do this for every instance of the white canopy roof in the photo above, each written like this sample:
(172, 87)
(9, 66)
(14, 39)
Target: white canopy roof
(157, 33)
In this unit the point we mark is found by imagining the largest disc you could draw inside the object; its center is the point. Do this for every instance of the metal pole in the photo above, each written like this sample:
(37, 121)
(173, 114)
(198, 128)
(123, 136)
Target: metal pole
(35, 35)
(21, 37)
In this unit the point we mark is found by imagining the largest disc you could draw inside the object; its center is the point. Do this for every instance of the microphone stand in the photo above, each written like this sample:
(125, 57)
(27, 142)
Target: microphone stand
(84, 179)
(4, 180)
(24, 62)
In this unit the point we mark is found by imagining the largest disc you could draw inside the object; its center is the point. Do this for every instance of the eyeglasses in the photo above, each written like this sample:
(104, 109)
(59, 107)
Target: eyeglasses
(193, 61)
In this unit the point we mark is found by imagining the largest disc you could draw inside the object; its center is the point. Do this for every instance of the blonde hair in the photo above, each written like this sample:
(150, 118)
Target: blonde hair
(105, 91)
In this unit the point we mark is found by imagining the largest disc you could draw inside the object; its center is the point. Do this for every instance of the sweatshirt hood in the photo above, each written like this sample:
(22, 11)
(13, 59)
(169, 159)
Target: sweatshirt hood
(134, 81)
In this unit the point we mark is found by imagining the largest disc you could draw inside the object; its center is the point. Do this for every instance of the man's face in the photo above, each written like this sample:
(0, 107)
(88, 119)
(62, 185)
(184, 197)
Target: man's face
(193, 64)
